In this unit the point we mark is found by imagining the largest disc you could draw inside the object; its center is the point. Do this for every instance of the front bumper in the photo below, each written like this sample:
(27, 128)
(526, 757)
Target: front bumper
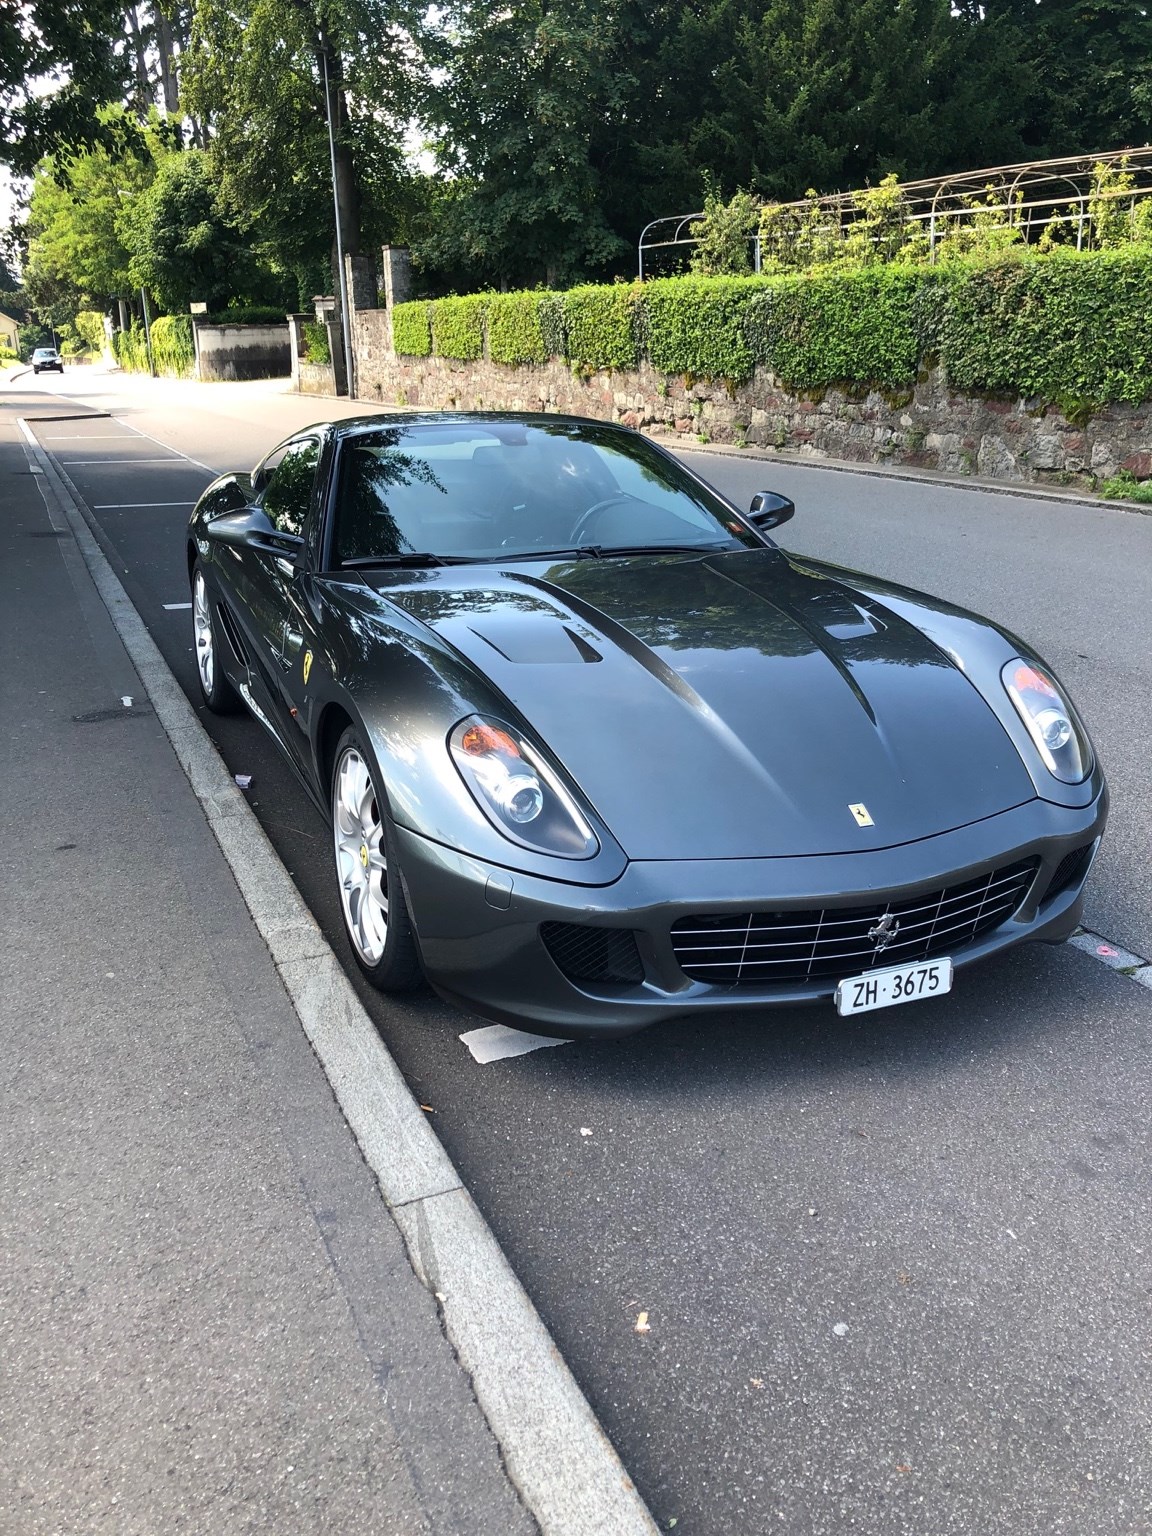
(479, 924)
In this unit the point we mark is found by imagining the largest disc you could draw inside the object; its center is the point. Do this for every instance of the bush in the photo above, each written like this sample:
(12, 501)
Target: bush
(1070, 327)
(8, 356)
(838, 328)
(89, 325)
(696, 325)
(130, 349)
(172, 346)
(1126, 487)
(458, 326)
(600, 325)
(515, 334)
(412, 329)
(316, 345)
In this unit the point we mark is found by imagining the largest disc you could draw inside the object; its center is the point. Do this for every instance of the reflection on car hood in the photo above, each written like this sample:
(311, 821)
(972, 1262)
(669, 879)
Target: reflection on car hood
(732, 705)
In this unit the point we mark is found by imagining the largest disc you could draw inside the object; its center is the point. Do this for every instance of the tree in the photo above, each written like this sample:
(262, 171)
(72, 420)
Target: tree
(181, 243)
(76, 252)
(254, 74)
(527, 92)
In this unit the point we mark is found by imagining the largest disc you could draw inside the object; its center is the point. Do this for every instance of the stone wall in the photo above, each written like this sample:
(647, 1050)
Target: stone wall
(928, 427)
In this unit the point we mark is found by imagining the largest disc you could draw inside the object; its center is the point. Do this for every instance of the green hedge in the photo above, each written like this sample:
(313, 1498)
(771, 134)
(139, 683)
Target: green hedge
(458, 326)
(131, 349)
(600, 325)
(412, 329)
(1068, 328)
(515, 334)
(696, 325)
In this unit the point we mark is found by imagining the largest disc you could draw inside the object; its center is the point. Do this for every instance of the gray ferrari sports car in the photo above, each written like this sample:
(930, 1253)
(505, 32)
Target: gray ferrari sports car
(595, 751)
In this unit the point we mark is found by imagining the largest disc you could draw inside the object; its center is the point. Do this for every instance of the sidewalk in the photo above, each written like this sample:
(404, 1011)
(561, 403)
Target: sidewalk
(208, 1321)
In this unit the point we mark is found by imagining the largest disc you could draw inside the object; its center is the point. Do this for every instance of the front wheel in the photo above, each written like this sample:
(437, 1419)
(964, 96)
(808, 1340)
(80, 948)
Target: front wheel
(218, 693)
(368, 874)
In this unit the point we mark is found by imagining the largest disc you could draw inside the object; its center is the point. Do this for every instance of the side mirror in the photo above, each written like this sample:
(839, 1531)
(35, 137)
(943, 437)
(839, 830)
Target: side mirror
(769, 510)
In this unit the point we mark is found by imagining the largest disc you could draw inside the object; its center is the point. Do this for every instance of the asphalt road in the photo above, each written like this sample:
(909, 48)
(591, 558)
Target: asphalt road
(896, 1268)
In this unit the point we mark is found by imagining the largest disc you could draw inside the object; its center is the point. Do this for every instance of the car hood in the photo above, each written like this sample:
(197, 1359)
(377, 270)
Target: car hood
(728, 706)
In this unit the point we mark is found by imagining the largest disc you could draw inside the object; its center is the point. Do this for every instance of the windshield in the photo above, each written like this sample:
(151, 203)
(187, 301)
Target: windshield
(507, 490)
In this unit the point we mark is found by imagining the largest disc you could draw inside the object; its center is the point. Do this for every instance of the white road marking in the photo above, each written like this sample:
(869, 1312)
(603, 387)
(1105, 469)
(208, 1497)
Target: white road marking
(496, 1041)
(82, 437)
(159, 444)
(128, 506)
(172, 607)
(1111, 955)
(74, 463)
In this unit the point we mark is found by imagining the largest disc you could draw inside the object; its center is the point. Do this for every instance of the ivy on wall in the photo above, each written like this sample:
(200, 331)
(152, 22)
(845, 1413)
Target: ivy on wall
(1070, 328)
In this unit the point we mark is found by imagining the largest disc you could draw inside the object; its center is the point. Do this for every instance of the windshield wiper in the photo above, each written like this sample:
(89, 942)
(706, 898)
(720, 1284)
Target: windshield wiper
(414, 557)
(605, 551)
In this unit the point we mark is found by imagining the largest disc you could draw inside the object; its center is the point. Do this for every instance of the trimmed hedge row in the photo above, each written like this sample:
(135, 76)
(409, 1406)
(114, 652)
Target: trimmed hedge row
(1074, 328)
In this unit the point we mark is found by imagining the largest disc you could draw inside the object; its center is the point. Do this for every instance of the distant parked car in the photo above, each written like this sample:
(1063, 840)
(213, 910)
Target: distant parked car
(47, 357)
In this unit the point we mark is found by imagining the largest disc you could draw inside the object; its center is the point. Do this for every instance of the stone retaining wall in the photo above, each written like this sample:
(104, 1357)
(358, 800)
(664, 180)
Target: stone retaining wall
(928, 427)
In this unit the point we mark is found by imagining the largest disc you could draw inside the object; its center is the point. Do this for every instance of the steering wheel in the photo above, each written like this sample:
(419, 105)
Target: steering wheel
(595, 510)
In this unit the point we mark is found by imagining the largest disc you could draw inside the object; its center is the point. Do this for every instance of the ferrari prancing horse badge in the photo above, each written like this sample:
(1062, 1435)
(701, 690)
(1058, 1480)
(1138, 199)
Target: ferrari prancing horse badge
(859, 811)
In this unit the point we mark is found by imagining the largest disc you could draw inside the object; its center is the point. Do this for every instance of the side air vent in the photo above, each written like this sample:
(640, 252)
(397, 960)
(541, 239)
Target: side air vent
(584, 953)
(1070, 871)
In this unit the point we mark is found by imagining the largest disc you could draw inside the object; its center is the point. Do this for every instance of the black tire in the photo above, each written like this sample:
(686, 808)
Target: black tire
(215, 689)
(368, 879)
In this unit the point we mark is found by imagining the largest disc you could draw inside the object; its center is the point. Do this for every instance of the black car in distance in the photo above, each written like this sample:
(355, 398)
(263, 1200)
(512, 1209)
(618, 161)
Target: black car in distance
(44, 359)
(595, 751)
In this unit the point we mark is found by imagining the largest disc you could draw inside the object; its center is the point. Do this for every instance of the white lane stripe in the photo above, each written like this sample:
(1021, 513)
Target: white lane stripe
(497, 1041)
(83, 437)
(172, 607)
(1111, 955)
(127, 506)
(139, 433)
(72, 463)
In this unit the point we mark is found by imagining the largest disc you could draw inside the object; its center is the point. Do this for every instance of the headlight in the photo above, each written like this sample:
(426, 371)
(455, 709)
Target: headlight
(517, 790)
(1060, 738)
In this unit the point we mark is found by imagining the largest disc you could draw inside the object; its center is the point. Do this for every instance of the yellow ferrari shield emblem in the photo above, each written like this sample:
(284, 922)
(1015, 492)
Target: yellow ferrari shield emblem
(364, 854)
(307, 666)
(863, 819)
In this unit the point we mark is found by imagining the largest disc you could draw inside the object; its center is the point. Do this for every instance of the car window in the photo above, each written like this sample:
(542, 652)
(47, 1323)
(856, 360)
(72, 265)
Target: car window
(504, 490)
(287, 498)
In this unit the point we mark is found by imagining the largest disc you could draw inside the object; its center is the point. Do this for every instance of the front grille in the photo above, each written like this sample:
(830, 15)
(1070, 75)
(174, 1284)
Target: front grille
(790, 947)
(584, 953)
(1071, 868)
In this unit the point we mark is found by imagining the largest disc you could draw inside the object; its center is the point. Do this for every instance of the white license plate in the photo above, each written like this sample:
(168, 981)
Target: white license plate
(898, 984)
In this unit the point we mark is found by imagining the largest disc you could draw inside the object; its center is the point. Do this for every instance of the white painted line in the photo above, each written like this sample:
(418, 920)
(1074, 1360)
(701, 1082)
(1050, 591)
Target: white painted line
(1111, 955)
(139, 433)
(172, 607)
(127, 506)
(497, 1041)
(86, 463)
(562, 1464)
(82, 437)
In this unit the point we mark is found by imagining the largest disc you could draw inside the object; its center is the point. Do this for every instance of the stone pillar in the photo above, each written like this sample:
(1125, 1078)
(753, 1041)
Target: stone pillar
(328, 314)
(360, 280)
(296, 344)
(397, 275)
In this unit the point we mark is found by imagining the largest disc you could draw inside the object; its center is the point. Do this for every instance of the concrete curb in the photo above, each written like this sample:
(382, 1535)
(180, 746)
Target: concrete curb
(558, 1457)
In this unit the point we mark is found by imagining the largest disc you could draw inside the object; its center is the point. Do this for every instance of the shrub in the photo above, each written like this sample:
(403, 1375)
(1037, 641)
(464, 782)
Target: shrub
(316, 347)
(89, 325)
(131, 349)
(1070, 328)
(838, 328)
(697, 325)
(458, 326)
(599, 324)
(412, 329)
(514, 331)
(172, 347)
(1126, 487)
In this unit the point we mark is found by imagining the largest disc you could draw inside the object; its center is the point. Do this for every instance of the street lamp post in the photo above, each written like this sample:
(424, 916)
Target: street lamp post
(345, 327)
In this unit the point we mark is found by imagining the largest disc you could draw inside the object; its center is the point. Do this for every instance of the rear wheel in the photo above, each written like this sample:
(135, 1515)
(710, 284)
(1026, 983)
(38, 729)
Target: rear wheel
(368, 874)
(218, 693)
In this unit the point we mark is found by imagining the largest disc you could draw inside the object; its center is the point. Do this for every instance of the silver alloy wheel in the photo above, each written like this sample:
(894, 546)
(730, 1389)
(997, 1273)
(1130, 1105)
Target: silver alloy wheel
(361, 864)
(202, 625)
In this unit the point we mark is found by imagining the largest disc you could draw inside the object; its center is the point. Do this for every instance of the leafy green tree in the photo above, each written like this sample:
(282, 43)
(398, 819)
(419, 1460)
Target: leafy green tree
(183, 246)
(516, 122)
(254, 75)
